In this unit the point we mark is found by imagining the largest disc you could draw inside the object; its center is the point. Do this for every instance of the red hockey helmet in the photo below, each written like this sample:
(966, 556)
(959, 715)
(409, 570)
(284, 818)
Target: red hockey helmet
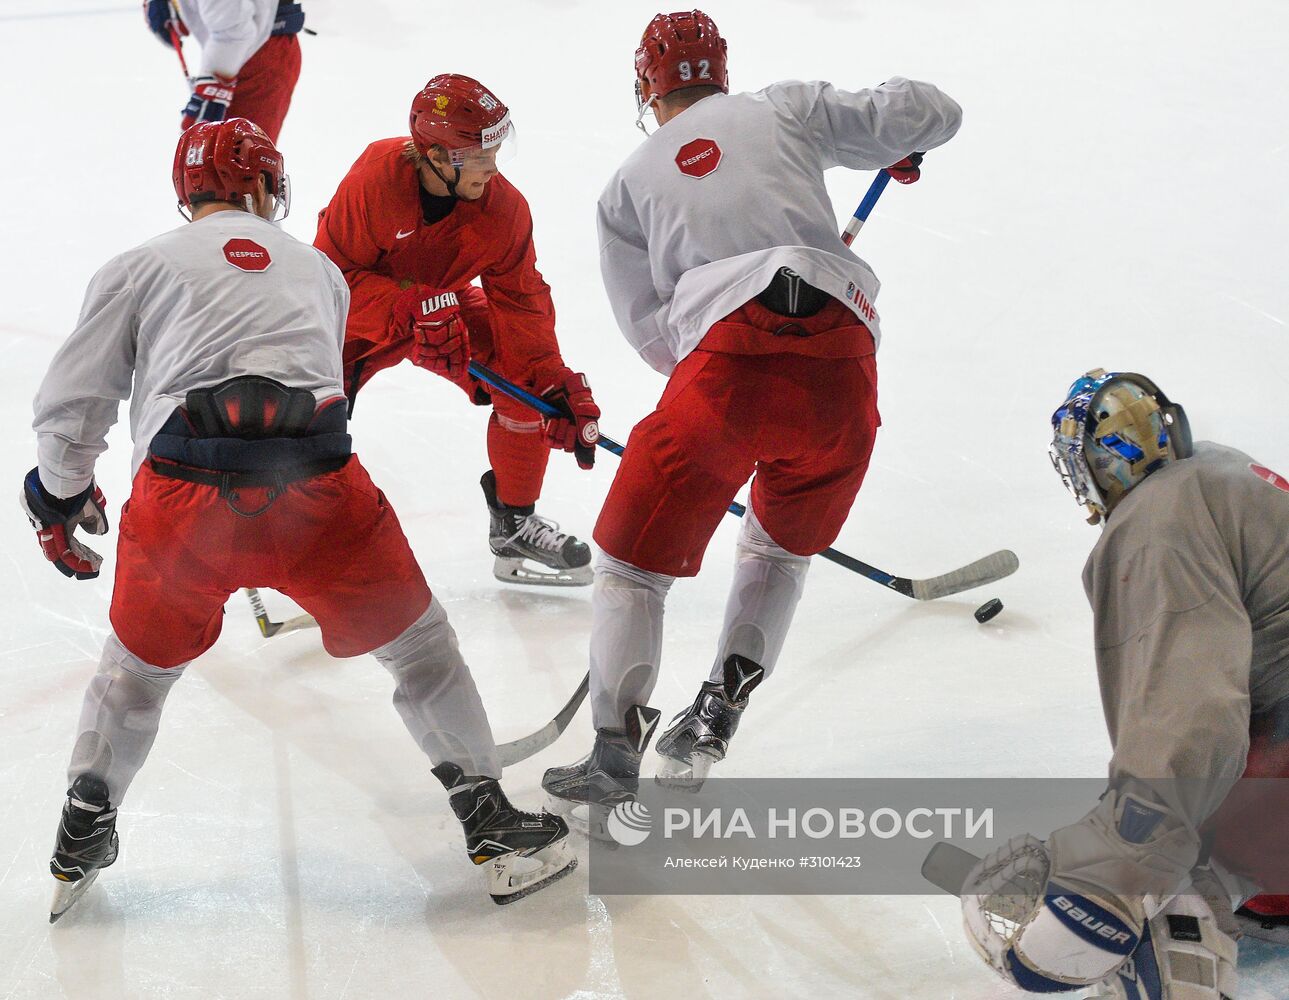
(463, 116)
(221, 161)
(681, 50)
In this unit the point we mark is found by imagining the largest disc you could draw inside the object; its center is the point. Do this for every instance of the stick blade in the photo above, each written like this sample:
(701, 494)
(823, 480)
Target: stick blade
(947, 867)
(525, 747)
(992, 568)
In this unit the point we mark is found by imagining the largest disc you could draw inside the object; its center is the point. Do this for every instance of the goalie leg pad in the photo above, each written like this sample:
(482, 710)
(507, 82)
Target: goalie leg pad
(1185, 954)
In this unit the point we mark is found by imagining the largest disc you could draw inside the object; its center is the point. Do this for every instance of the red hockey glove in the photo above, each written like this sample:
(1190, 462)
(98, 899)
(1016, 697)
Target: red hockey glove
(56, 519)
(211, 96)
(908, 170)
(433, 319)
(579, 427)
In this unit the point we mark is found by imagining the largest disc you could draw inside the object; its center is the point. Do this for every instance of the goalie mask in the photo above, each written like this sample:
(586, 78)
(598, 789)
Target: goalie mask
(1113, 430)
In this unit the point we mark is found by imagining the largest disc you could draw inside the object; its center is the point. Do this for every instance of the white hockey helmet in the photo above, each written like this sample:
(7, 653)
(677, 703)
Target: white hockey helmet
(1113, 430)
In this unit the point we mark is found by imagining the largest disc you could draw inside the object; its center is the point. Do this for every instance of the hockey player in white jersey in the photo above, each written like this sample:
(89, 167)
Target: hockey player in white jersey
(250, 56)
(721, 257)
(226, 336)
(1189, 587)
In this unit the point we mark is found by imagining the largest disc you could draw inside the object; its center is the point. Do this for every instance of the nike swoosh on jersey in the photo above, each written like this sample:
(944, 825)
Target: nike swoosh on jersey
(400, 235)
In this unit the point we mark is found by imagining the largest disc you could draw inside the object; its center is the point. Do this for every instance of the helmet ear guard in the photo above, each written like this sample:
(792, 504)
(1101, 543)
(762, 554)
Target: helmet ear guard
(1113, 430)
(1175, 420)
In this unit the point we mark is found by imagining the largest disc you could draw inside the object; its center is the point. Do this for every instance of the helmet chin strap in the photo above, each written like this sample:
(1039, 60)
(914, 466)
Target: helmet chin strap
(450, 184)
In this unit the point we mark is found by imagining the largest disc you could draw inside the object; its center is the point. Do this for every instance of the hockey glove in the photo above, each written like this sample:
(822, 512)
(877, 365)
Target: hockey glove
(1068, 913)
(433, 320)
(578, 428)
(290, 19)
(211, 96)
(56, 519)
(908, 170)
(164, 21)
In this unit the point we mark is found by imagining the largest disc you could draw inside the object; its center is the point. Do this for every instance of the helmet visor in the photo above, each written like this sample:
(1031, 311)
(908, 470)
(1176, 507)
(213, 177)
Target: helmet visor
(282, 200)
(497, 145)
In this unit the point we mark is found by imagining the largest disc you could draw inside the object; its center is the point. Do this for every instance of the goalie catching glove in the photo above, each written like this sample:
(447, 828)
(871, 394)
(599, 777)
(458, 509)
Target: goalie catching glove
(1069, 913)
(578, 428)
(56, 520)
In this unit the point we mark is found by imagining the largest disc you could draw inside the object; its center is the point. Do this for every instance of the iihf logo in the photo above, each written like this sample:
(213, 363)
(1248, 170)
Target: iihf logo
(629, 823)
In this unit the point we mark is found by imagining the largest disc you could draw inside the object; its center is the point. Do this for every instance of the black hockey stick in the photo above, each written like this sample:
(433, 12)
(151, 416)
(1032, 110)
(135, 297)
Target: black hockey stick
(989, 569)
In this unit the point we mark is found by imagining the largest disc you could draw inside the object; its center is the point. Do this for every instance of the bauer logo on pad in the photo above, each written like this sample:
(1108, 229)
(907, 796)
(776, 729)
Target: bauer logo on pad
(247, 255)
(699, 157)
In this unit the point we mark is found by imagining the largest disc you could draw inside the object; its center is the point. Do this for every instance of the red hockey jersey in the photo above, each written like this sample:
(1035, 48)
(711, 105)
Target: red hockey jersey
(374, 231)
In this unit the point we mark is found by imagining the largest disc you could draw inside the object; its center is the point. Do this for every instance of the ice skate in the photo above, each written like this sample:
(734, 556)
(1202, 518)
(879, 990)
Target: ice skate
(87, 842)
(585, 793)
(524, 852)
(531, 549)
(700, 736)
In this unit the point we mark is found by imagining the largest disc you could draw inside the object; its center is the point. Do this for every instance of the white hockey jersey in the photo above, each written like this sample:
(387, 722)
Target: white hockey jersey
(701, 216)
(228, 31)
(227, 295)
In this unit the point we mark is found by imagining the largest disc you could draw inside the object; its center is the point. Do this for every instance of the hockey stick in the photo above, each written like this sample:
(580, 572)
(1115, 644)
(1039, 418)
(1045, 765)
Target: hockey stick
(177, 42)
(989, 569)
(510, 753)
(523, 748)
(270, 628)
(862, 213)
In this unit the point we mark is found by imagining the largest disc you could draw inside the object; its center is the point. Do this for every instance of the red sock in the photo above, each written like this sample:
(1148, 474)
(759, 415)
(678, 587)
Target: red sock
(518, 454)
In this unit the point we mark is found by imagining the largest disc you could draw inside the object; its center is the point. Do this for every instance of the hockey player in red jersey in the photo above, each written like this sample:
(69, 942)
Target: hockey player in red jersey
(721, 256)
(225, 335)
(250, 56)
(412, 225)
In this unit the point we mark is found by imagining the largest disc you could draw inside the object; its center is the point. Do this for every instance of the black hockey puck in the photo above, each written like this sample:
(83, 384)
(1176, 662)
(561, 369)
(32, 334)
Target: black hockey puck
(988, 610)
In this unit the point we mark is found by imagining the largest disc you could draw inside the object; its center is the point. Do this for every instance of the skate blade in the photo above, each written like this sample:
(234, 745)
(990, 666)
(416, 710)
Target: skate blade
(514, 570)
(67, 893)
(685, 776)
(510, 878)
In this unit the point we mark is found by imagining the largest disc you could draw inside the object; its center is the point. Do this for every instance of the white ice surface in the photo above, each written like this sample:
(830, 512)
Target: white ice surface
(1115, 198)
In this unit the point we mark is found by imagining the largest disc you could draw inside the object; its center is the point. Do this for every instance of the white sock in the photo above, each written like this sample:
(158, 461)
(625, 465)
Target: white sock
(119, 718)
(436, 695)
(768, 582)
(626, 638)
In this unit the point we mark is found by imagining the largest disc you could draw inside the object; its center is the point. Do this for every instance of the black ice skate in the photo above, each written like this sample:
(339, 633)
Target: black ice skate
(586, 792)
(517, 535)
(700, 736)
(87, 842)
(524, 851)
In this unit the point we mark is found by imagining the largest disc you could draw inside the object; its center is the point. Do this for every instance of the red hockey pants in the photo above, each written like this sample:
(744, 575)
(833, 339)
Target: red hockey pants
(330, 542)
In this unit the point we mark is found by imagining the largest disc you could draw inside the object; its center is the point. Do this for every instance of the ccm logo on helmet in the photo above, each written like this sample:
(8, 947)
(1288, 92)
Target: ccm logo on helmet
(699, 158)
(247, 255)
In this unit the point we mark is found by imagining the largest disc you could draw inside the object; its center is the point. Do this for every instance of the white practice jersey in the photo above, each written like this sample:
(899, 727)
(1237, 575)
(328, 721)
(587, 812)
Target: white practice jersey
(701, 216)
(187, 310)
(228, 31)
